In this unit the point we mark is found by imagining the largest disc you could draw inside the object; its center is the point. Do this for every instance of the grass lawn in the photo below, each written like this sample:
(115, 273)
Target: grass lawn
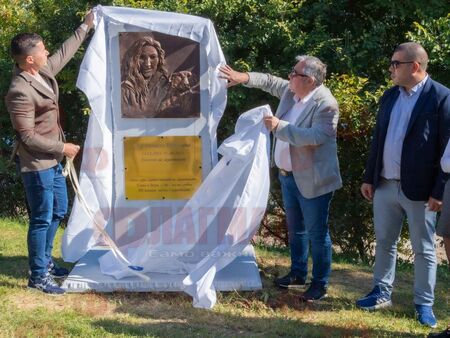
(269, 312)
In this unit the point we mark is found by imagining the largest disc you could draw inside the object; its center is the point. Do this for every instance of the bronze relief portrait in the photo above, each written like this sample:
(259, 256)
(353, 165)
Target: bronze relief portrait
(160, 76)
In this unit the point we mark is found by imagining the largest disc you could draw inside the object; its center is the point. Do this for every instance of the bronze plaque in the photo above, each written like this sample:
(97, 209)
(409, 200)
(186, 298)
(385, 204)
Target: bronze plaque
(160, 75)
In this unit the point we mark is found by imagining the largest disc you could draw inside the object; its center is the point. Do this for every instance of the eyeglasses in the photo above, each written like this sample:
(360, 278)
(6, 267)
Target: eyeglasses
(395, 63)
(294, 73)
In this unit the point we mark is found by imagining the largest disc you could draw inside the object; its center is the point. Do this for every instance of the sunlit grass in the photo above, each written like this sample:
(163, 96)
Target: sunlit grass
(269, 312)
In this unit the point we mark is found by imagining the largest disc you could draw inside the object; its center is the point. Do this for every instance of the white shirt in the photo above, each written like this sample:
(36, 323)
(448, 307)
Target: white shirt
(398, 124)
(445, 160)
(282, 155)
(41, 80)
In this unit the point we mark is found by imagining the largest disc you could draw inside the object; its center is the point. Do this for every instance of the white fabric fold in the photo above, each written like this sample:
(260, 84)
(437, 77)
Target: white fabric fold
(204, 234)
(99, 79)
(239, 185)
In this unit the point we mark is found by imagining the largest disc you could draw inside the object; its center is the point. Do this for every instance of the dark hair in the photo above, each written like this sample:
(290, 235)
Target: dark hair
(22, 45)
(414, 52)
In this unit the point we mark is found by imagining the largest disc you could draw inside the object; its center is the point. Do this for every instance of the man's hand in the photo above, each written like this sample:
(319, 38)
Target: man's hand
(233, 77)
(271, 122)
(89, 19)
(434, 204)
(70, 150)
(367, 191)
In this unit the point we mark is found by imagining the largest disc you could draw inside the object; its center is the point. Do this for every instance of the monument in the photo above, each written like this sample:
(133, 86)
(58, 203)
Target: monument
(152, 82)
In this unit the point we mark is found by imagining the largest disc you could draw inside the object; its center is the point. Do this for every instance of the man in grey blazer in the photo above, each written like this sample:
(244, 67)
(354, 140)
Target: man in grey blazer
(305, 153)
(32, 102)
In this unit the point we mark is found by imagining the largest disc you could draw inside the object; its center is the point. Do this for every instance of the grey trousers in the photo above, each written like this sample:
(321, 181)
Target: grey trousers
(390, 206)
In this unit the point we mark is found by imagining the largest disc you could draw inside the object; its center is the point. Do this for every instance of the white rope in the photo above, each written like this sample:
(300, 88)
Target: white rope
(69, 171)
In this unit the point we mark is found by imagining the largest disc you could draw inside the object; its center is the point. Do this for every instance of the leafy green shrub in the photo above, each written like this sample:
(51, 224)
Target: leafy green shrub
(434, 36)
(354, 38)
(351, 216)
(15, 17)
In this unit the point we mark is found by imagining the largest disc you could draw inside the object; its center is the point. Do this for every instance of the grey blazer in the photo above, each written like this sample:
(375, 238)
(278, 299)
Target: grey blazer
(34, 110)
(312, 138)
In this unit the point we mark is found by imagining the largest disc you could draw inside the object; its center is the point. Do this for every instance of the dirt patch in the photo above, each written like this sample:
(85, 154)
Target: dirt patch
(286, 301)
(92, 305)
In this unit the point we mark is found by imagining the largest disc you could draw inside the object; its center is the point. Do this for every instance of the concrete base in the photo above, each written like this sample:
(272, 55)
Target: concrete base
(241, 274)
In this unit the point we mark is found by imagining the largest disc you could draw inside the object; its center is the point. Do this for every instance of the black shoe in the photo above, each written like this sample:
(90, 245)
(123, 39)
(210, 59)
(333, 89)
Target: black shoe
(45, 284)
(314, 292)
(443, 334)
(56, 271)
(290, 282)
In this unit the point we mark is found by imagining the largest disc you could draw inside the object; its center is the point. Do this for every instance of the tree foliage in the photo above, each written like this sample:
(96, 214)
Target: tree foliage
(354, 38)
(15, 18)
(434, 35)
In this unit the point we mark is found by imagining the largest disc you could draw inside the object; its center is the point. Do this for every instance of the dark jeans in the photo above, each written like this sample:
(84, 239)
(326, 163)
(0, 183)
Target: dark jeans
(47, 197)
(17, 162)
(307, 220)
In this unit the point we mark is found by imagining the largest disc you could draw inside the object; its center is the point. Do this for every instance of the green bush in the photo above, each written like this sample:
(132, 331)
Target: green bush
(354, 38)
(55, 21)
(15, 18)
(351, 215)
(434, 36)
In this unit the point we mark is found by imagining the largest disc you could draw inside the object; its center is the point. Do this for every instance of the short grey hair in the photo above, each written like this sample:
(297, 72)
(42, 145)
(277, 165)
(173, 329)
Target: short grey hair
(313, 67)
(414, 52)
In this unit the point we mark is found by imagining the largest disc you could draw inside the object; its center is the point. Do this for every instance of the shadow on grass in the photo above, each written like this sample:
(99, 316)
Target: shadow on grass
(14, 266)
(226, 325)
(344, 282)
(17, 266)
(349, 285)
(171, 314)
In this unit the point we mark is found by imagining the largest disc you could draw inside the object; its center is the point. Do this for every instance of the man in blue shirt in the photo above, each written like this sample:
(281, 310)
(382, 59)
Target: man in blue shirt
(403, 177)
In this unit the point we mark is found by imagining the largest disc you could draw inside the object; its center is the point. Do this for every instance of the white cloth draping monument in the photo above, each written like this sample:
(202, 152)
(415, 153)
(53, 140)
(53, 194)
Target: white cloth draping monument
(198, 237)
(234, 195)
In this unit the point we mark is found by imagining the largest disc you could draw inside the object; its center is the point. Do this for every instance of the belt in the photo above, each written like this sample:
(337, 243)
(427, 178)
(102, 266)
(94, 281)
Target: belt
(390, 179)
(284, 172)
